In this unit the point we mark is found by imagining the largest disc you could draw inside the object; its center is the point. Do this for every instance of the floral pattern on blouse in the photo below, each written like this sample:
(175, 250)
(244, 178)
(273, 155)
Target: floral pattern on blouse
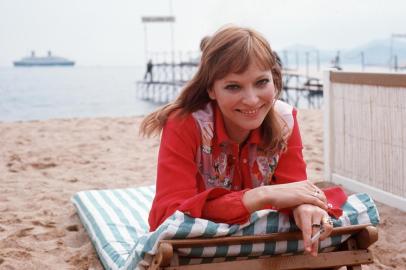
(218, 171)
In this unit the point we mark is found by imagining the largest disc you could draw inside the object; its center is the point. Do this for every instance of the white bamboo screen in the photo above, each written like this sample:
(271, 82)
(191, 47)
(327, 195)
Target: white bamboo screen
(365, 132)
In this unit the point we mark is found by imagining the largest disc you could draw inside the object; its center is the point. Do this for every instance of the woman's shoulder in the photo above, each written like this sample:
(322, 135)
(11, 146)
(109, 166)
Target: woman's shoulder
(204, 115)
(287, 112)
(182, 127)
(177, 119)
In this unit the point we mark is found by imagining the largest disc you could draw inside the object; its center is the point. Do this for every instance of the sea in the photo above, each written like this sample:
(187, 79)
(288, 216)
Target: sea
(40, 93)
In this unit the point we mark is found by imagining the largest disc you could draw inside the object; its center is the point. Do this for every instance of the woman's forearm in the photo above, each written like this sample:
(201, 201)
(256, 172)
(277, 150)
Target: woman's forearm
(255, 199)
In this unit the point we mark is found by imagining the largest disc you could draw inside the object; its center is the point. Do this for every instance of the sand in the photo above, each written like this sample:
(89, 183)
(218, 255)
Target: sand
(43, 163)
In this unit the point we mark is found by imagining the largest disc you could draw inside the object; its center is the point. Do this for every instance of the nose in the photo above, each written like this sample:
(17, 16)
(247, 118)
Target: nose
(250, 97)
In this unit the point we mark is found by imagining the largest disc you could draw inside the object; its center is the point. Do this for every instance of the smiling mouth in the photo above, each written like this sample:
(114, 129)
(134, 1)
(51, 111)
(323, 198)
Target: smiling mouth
(250, 112)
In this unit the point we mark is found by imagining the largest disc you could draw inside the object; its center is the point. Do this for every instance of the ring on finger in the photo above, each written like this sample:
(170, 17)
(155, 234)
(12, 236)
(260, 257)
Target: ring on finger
(315, 225)
(316, 193)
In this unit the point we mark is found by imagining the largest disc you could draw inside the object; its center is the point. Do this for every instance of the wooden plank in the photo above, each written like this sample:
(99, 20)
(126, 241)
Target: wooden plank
(238, 240)
(352, 245)
(364, 78)
(331, 259)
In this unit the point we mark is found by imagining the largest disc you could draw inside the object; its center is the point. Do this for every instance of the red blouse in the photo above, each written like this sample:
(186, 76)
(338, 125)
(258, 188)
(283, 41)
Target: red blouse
(185, 184)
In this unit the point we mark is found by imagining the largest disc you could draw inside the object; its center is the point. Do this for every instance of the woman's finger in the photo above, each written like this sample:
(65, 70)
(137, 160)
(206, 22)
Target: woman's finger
(318, 193)
(302, 221)
(298, 221)
(316, 201)
(316, 232)
(306, 228)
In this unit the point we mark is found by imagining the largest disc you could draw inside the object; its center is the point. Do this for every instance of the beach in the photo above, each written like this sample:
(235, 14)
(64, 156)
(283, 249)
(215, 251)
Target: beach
(43, 163)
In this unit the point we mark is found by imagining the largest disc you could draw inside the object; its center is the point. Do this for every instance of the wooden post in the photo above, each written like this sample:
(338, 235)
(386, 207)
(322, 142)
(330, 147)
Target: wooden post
(328, 113)
(163, 256)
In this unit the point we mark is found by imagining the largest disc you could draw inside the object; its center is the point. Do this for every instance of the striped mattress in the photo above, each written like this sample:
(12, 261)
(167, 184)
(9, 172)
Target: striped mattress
(117, 223)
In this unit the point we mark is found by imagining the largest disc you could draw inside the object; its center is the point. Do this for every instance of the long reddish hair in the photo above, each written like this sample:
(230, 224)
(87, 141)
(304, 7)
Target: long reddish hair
(230, 50)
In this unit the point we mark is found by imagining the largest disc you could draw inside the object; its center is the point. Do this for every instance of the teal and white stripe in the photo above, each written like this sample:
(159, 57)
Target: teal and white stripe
(116, 221)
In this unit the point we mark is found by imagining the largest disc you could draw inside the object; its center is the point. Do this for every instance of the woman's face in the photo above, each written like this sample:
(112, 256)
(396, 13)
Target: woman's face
(244, 100)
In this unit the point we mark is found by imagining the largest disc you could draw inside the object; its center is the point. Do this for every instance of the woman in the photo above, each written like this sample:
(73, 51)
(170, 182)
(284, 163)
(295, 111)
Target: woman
(228, 146)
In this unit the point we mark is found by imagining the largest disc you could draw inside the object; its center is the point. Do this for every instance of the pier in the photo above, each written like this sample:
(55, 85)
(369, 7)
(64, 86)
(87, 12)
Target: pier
(166, 80)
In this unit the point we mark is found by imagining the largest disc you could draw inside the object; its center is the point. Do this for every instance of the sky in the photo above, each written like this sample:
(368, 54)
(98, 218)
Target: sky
(111, 33)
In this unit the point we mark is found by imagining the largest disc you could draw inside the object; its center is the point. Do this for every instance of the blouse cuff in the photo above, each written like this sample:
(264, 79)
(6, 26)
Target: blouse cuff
(218, 205)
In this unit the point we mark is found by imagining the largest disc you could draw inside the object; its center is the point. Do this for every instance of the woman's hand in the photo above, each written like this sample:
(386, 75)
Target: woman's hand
(297, 193)
(309, 218)
(284, 196)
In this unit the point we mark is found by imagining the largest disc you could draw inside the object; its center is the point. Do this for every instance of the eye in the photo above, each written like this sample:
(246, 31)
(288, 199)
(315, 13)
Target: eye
(232, 87)
(263, 82)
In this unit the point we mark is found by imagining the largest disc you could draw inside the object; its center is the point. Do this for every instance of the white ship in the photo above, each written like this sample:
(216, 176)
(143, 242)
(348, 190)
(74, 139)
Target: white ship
(49, 60)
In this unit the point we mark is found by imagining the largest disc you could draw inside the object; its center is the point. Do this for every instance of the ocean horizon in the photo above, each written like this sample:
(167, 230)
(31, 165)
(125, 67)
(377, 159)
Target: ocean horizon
(41, 93)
